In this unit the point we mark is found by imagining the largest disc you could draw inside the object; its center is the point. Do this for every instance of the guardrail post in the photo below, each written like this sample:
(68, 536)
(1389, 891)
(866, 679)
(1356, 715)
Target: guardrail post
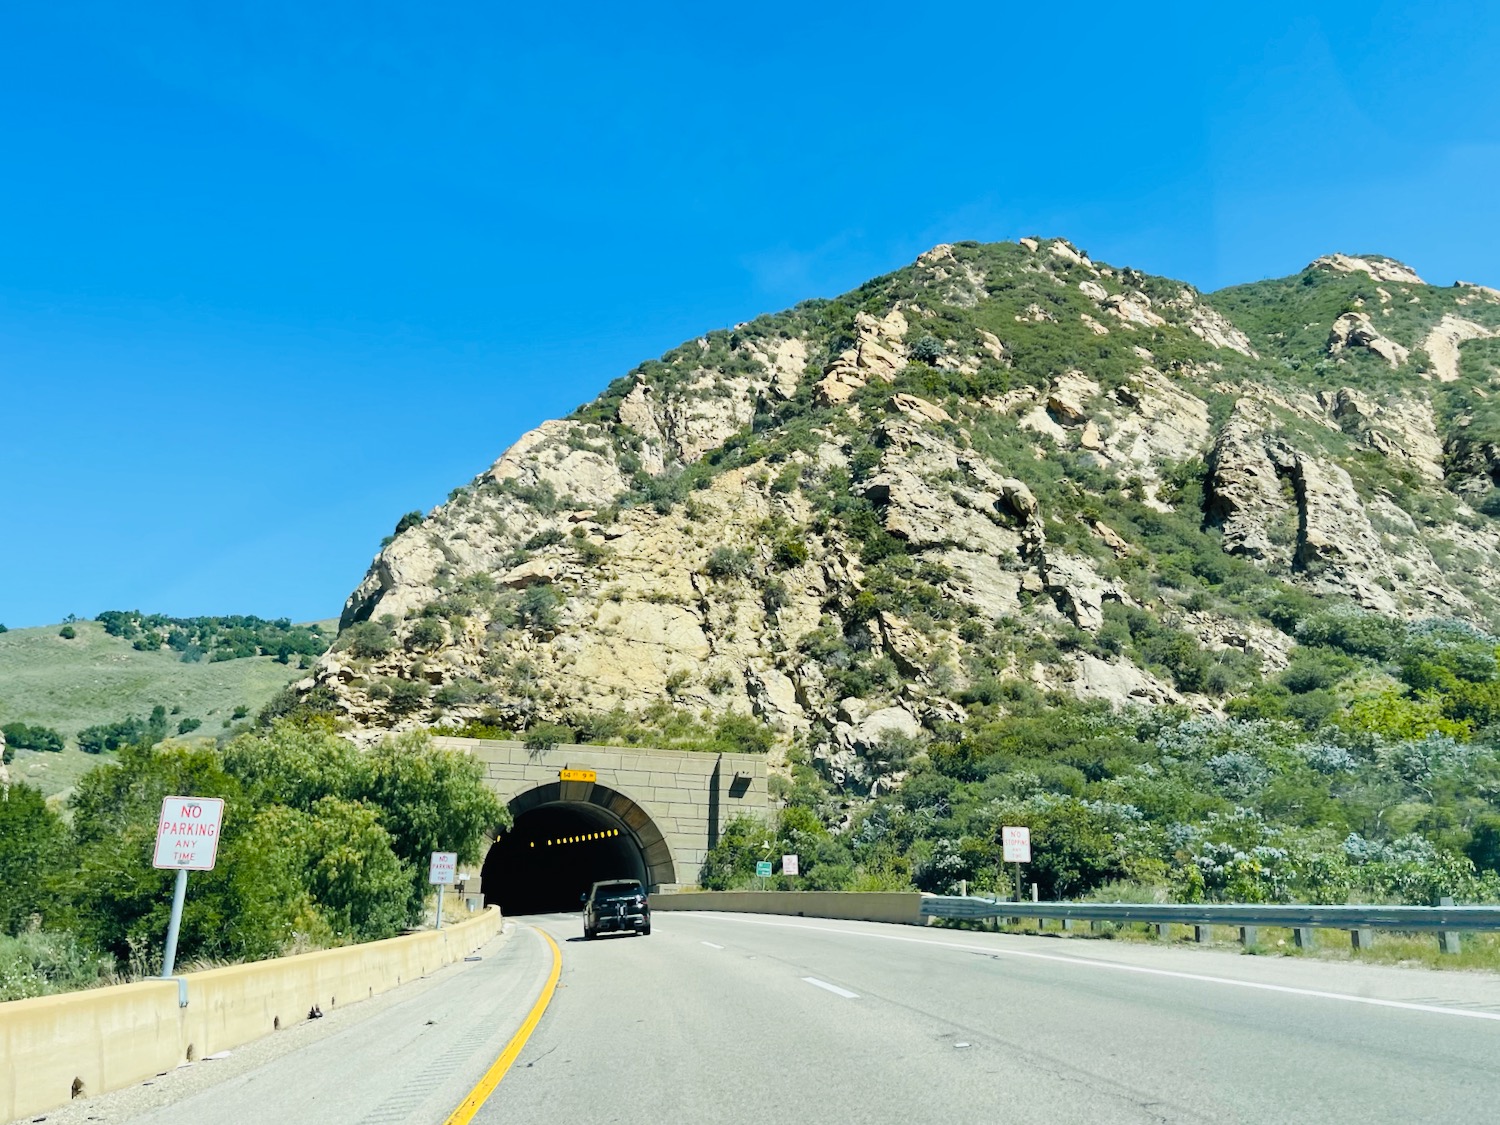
(1448, 939)
(1303, 936)
(1203, 934)
(1362, 938)
(1067, 925)
(1164, 931)
(1247, 935)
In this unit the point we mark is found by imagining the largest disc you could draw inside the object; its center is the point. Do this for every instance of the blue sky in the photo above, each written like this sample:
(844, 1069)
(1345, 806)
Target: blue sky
(272, 275)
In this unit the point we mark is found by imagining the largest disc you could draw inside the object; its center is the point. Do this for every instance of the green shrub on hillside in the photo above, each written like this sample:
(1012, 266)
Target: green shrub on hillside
(22, 736)
(105, 737)
(368, 640)
(404, 524)
(727, 562)
(221, 638)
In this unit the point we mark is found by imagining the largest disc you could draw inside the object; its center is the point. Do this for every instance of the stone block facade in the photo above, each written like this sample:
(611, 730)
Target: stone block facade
(674, 802)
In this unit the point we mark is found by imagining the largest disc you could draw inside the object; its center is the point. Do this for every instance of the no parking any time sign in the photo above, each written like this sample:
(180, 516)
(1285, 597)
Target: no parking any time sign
(187, 835)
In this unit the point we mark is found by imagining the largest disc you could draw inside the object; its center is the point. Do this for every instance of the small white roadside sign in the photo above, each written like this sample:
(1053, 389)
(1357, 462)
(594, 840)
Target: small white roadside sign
(444, 867)
(789, 865)
(187, 833)
(1017, 844)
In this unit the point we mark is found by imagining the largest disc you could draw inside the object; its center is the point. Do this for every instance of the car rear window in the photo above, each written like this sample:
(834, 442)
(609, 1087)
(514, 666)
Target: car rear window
(614, 891)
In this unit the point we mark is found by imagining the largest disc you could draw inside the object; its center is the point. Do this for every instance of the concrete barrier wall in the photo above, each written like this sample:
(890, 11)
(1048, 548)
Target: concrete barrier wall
(105, 1038)
(904, 907)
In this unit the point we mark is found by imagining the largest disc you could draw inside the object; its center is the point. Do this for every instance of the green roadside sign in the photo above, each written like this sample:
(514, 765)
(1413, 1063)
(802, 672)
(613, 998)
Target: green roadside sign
(763, 869)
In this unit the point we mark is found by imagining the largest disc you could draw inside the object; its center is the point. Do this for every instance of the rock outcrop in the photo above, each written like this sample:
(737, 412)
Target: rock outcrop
(1445, 339)
(1381, 269)
(841, 518)
(1355, 330)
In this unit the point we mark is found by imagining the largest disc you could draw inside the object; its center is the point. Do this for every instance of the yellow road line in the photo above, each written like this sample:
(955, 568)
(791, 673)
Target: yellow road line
(486, 1085)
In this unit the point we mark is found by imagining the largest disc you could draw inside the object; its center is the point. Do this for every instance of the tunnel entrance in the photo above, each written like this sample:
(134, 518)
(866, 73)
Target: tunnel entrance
(556, 849)
(553, 854)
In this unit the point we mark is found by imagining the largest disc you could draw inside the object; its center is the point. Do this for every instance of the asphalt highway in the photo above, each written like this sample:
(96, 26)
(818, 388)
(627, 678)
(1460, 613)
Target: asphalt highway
(758, 1019)
(740, 1018)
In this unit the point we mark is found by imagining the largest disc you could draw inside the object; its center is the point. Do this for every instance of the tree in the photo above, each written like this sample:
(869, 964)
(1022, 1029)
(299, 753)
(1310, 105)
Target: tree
(431, 800)
(31, 839)
(120, 903)
(349, 885)
(294, 764)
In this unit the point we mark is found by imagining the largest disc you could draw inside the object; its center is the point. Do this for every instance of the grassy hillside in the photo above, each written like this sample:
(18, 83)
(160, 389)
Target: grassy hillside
(95, 678)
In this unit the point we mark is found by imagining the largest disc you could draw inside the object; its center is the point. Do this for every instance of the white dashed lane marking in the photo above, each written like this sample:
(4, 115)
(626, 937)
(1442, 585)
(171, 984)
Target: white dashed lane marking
(833, 988)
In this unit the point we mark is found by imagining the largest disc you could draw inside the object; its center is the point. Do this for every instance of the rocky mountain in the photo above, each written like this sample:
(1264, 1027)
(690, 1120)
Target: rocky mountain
(858, 519)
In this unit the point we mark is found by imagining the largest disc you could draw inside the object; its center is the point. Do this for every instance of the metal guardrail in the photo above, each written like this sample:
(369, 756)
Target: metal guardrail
(1446, 920)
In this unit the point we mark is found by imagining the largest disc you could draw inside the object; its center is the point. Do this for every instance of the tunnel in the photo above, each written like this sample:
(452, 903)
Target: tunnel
(556, 849)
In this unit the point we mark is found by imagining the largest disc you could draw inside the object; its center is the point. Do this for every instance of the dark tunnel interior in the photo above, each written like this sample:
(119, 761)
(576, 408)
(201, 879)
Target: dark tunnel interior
(553, 854)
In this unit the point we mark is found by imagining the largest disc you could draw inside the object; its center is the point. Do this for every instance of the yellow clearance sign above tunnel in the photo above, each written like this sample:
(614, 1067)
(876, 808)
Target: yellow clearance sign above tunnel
(577, 775)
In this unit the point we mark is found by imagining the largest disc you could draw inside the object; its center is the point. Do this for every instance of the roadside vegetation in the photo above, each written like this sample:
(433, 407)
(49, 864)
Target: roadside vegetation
(1368, 771)
(322, 845)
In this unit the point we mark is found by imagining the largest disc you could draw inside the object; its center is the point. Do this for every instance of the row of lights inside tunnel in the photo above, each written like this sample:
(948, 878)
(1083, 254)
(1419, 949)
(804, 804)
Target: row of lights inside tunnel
(584, 839)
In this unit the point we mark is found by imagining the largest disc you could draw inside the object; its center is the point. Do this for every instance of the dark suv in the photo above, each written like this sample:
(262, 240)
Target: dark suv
(616, 905)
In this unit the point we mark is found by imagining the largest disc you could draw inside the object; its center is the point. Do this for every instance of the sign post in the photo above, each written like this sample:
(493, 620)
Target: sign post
(441, 871)
(1016, 843)
(187, 839)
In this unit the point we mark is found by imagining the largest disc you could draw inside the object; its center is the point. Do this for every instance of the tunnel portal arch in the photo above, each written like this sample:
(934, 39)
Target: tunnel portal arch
(564, 837)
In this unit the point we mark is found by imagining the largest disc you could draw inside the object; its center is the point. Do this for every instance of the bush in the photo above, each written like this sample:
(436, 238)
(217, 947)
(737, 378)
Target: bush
(743, 734)
(407, 696)
(727, 562)
(539, 607)
(40, 963)
(927, 349)
(789, 552)
(427, 633)
(544, 736)
(106, 737)
(187, 726)
(458, 692)
(20, 736)
(367, 640)
(67, 632)
(404, 524)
